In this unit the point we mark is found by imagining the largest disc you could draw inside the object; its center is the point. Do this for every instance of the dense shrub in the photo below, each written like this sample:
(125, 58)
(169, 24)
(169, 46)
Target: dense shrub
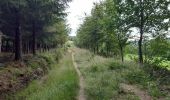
(94, 68)
(115, 66)
(158, 73)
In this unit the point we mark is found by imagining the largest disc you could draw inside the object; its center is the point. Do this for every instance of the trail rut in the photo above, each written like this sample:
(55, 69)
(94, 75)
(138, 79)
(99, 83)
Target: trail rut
(141, 94)
(81, 94)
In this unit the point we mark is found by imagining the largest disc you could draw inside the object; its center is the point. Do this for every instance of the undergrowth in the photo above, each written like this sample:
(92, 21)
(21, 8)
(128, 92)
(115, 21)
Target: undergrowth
(17, 75)
(61, 82)
(103, 77)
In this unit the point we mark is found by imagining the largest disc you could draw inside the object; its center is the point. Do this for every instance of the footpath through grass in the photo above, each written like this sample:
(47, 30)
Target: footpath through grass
(60, 84)
(110, 79)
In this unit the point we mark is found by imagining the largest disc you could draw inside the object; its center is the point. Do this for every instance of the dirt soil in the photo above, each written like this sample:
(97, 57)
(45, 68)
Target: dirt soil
(81, 94)
(143, 95)
(17, 75)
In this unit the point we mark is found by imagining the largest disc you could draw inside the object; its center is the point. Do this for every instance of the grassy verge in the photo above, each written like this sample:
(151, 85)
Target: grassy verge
(104, 76)
(60, 84)
(15, 76)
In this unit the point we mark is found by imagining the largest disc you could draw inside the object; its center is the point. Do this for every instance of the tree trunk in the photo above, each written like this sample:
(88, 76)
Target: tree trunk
(121, 48)
(7, 46)
(13, 46)
(94, 50)
(141, 33)
(26, 47)
(122, 54)
(140, 51)
(33, 39)
(41, 48)
(18, 40)
(0, 47)
(145, 48)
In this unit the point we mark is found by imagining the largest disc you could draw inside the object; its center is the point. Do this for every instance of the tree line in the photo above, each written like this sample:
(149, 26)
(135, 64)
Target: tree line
(109, 29)
(30, 25)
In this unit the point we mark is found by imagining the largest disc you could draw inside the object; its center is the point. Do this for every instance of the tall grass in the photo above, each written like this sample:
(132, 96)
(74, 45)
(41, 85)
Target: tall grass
(103, 77)
(60, 84)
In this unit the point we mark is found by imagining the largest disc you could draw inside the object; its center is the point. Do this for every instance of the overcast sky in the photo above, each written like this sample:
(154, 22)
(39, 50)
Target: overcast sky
(76, 13)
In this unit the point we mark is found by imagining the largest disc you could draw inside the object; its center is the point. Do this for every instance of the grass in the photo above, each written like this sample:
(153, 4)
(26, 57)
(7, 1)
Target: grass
(60, 84)
(103, 77)
(16, 75)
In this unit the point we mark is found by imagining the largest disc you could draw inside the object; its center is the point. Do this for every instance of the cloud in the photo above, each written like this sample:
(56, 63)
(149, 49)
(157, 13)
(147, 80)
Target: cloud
(76, 13)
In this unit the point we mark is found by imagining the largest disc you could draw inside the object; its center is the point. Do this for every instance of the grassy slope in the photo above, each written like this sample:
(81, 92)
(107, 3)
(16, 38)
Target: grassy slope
(103, 78)
(60, 84)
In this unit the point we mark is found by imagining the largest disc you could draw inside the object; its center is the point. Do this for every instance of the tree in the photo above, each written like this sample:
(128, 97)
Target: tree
(147, 15)
(117, 27)
(108, 28)
(104, 29)
(12, 15)
(25, 20)
(43, 13)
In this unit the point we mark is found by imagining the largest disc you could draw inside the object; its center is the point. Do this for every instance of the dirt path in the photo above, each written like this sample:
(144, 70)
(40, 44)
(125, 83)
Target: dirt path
(141, 94)
(81, 94)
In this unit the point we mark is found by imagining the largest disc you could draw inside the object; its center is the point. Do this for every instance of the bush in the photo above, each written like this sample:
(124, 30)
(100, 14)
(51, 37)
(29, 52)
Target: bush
(94, 68)
(58, 55)
(52, 56)
(158, 73)
(115, 66)
(153, 89)
(137, 77)
(134, 58)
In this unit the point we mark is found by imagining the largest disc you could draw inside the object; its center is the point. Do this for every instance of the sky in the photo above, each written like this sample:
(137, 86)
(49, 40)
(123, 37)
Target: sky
(76, 13)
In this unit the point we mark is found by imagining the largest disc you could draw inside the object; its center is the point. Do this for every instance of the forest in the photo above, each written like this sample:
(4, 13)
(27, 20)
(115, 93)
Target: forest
(31, 25)
(109, 31)
(121, 51)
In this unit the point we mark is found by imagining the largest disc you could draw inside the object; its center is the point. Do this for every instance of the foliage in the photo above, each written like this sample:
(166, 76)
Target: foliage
(33, 24)
(107, 30)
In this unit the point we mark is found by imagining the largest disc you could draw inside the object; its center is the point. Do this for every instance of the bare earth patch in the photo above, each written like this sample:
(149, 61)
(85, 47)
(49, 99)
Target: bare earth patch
(138, 92)
(81, 94)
